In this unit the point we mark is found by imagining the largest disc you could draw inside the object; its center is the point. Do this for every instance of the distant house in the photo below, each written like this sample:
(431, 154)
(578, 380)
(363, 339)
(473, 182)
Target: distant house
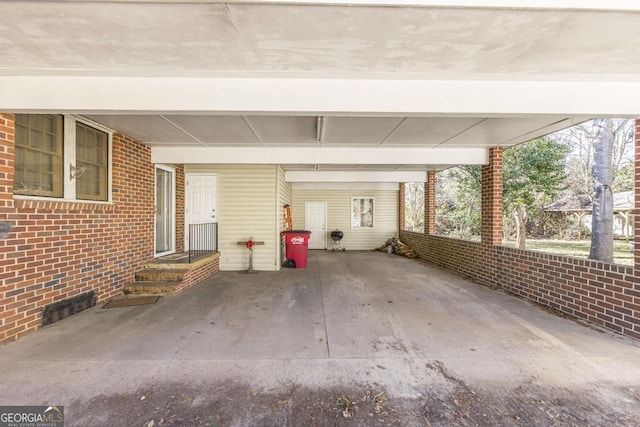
(581, 207)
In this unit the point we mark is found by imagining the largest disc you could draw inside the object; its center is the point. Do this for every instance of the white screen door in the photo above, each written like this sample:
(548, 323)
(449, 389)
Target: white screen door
(315, 220)
(200, 202)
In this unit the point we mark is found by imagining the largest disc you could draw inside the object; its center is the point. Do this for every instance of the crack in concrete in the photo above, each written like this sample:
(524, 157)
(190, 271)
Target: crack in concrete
(324, 312)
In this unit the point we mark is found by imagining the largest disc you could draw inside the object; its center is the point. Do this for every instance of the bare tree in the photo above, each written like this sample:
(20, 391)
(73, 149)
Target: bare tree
(586, 165)
(581, 139)
(414, 206)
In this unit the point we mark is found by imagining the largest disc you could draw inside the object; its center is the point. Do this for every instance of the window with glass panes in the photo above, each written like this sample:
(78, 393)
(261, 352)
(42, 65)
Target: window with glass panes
(362, 212)
(39, 155)
(92, 157)
(43, 148)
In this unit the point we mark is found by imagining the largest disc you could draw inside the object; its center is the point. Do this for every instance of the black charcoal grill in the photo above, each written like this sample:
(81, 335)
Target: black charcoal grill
(337, 236)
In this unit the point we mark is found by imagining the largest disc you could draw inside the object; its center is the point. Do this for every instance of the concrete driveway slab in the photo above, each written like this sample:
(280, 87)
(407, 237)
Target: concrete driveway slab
(291, 347)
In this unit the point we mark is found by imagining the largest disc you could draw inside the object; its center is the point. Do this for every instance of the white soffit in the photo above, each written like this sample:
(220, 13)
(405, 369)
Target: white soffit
(298, 176)
(331, 131)
(322, 155)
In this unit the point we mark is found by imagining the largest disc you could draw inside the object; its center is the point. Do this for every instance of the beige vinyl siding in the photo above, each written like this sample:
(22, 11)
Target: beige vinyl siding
(339, 215)
(246, 209)
(284, 198)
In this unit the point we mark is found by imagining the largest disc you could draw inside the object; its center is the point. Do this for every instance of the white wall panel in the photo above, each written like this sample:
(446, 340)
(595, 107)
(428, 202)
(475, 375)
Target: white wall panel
(284, 191)
(247, 199)
(339, 215)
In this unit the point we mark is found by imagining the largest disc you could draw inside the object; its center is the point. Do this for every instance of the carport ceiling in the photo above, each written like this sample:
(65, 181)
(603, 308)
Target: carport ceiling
(334, 86)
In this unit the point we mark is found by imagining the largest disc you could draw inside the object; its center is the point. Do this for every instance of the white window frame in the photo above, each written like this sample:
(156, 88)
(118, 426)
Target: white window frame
(172, 170)
(373, 212)
(69, 160)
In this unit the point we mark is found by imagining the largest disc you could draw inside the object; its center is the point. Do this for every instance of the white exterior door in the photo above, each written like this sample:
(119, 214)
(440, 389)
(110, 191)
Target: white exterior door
(315, 220)
(200, 202)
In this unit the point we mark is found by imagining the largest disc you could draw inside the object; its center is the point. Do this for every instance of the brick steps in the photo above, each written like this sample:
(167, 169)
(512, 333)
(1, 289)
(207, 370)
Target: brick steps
(166, 278)
(154, 280)
(160, 275)
(151, 288)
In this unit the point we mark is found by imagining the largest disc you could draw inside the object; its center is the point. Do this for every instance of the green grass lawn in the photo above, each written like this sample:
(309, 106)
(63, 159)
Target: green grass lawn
(622, 253)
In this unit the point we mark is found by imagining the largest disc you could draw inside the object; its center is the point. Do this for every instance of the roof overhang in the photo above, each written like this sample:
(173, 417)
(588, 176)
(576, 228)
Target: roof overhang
(340, 86)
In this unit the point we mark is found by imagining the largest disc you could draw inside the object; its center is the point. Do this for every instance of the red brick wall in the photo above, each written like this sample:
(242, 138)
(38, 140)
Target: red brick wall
(636, 220)
(7, 145)
(179, 208)
(57, 249)
(200, 271)
(401, 201)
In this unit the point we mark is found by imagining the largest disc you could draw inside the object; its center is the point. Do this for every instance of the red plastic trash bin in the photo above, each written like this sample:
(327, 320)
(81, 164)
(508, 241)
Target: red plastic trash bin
(297, 246)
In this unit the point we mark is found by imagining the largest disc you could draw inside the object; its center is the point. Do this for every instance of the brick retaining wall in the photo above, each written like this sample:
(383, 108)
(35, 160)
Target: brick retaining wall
(605, 294)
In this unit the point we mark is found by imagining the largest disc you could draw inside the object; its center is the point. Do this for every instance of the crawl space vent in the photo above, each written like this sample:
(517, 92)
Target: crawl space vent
(68, 307)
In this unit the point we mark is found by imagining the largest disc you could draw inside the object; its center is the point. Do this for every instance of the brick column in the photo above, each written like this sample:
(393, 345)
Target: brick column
(7, 150)
(636, 210)
(491, 227)
(430, 203)
(401, 224)
(179, 208)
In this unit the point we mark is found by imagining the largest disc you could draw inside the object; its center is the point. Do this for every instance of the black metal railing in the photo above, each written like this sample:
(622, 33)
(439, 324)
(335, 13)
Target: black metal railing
(203, 240)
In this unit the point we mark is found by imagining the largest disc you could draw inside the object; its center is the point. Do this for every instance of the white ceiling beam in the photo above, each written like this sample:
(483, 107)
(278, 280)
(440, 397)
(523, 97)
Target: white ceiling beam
(320, 97)
(356, 176)
(320, 155)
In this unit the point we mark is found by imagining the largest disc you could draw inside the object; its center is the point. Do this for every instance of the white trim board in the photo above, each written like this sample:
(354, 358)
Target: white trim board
(352, 186)
(356, 176)
(320, 155)
(615, 96)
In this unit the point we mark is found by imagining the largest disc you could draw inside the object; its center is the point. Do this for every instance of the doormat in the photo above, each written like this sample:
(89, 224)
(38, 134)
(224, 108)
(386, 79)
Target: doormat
(130, 301)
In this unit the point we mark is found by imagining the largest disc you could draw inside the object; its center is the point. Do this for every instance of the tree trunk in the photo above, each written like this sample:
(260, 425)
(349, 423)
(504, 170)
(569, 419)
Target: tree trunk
(521, 227)
(602, 213)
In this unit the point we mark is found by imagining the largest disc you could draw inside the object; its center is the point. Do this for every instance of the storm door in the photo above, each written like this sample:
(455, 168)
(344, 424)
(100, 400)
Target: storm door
(165, 210)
